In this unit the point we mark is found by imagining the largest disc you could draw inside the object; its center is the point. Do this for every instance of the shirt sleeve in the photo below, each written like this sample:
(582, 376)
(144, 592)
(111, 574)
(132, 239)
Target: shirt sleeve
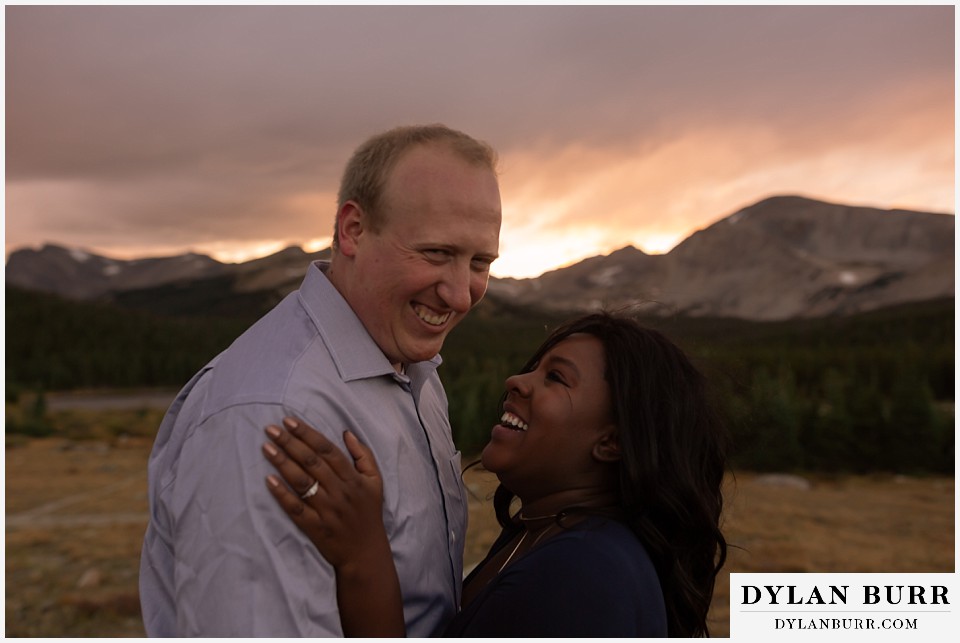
(564, 589)
(242, 568)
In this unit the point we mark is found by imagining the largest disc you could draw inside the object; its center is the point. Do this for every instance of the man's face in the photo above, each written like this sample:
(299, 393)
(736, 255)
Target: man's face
(428, 263)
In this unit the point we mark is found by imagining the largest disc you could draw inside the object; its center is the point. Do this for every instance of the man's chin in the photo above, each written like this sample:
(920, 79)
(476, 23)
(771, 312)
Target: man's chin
(421, 351)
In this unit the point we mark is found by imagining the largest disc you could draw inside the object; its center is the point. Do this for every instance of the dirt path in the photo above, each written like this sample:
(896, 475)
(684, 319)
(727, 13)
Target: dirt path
(106, 401)
(51, 514)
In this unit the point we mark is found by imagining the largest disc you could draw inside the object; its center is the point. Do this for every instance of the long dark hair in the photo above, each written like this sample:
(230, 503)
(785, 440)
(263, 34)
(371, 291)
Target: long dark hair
(673, 459)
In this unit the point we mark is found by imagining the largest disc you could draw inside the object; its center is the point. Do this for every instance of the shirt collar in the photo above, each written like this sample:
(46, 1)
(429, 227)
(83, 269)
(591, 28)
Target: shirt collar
(354, 352)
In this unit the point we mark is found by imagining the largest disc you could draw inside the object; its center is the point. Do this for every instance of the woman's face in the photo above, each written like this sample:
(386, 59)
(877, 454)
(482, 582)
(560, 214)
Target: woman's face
(552, 418)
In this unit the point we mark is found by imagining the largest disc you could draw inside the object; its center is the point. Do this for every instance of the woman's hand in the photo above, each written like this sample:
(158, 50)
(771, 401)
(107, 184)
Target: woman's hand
(339, 506)
(343, 515)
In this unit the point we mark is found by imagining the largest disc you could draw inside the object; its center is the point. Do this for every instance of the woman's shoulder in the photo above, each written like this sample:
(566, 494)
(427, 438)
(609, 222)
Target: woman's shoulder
(600, 547)
(600, 533)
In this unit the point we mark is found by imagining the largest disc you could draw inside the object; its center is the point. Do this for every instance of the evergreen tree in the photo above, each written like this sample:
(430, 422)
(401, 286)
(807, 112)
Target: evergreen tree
(869, 425)
(914, 443)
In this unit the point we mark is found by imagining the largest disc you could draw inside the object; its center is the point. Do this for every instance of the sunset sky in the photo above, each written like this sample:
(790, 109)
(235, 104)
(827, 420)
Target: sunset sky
(136, 131)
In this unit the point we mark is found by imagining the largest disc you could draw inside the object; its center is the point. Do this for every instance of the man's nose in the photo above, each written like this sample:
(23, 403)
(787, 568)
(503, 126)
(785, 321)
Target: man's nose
(457, 289)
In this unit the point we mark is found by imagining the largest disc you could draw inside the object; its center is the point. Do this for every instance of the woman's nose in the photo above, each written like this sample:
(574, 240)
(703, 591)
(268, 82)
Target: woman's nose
(519, 383)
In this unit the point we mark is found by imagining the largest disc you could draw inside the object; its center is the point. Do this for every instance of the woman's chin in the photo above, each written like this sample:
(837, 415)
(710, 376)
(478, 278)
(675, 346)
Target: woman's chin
(489, 458)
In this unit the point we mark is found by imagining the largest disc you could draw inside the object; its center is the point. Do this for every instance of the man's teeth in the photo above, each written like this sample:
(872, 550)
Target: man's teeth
(512, 420)
(431, 318)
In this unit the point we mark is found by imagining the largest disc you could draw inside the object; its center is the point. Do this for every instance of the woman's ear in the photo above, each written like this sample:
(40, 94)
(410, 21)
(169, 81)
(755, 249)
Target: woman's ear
(350, 225)
(607, 448)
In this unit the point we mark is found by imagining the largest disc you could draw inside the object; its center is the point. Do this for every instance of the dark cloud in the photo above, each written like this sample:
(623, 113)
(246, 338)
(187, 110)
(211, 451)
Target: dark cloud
(205, 122)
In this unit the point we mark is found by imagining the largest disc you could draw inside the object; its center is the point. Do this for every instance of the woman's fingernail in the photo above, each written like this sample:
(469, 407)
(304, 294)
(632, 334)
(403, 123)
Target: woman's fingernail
(269, 448)
(272, 480)
(290, 423)
(273, 432)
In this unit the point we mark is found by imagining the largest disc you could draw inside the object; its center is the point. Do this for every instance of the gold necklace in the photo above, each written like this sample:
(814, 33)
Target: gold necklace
(515, 548)
(520, 542)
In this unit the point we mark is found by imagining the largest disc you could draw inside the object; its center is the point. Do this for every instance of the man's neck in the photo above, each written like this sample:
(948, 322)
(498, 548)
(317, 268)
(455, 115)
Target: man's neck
(336, 275)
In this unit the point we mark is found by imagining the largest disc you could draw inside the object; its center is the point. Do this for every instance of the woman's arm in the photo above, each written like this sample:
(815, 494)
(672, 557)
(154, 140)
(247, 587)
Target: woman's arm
(343, 517)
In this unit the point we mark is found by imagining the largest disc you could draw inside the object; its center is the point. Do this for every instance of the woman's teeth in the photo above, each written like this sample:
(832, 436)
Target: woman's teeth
(512, 421)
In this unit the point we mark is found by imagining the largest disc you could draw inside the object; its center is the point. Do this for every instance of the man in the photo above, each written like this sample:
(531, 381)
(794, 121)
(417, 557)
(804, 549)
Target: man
(356, 347)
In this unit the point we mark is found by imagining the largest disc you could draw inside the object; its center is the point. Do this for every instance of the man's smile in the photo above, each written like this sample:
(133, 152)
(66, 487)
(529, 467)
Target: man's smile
(429, 316)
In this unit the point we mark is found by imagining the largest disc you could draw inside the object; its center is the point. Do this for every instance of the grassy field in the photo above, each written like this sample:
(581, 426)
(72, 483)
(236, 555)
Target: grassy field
(76, 510)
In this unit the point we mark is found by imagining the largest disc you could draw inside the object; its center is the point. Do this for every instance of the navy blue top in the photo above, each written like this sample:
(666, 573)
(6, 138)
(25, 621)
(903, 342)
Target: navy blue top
(592, 579)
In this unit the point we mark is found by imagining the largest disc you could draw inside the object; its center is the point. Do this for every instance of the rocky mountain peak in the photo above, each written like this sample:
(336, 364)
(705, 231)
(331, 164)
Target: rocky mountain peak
(783, 257)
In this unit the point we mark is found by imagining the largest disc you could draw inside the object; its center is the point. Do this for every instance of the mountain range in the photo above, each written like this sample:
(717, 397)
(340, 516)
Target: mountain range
(782, 258)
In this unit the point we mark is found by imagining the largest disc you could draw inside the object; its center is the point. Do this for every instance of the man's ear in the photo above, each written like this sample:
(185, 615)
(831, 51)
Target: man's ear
(350, 225)
(607, 448)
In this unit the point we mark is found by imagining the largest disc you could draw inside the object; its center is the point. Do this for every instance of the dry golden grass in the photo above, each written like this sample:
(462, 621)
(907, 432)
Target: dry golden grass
(841, 524)
(75, 518)
(76, 513)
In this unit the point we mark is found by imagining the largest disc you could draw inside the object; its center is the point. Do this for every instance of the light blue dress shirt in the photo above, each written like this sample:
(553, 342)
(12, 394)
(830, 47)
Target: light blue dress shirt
(220, 557)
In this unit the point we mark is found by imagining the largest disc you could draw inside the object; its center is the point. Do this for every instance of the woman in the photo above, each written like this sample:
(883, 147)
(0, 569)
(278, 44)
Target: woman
(608, 443)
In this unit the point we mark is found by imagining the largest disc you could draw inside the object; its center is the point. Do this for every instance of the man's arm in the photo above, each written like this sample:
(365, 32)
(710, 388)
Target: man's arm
(242, 568)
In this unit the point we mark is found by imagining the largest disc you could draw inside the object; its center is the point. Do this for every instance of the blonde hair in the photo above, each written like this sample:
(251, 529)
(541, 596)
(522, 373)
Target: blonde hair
(371, 163)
